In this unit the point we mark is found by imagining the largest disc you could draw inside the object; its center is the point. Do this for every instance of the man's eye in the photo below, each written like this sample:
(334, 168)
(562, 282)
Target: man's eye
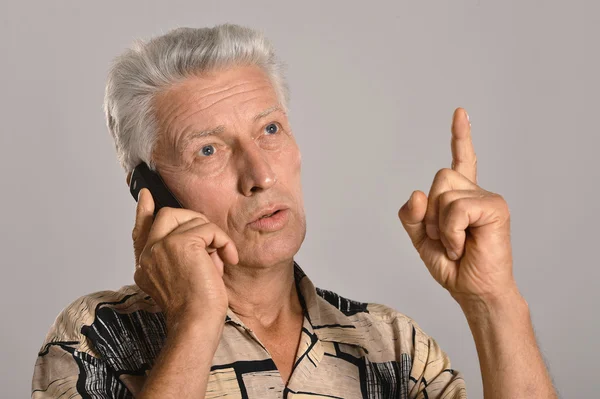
(272, 128)
(207, 150)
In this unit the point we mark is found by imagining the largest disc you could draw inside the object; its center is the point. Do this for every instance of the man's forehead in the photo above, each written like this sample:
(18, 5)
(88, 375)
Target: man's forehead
(200, 88)
(202, 104)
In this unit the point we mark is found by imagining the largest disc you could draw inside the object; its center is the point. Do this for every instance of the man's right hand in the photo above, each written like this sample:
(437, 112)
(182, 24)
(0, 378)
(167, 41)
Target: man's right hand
(180, 257)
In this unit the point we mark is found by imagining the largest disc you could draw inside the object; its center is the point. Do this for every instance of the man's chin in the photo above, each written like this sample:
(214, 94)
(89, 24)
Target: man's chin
(271, 252)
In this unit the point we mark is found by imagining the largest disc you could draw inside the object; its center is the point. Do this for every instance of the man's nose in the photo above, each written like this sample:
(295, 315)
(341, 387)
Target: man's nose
(256, 173)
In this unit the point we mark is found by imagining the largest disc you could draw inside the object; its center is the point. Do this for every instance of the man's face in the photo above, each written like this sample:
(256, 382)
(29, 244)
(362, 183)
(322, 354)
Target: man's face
(246, 160)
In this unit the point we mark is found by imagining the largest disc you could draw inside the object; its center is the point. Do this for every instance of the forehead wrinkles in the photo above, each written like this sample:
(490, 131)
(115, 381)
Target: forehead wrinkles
(176, 105)
(208, 100)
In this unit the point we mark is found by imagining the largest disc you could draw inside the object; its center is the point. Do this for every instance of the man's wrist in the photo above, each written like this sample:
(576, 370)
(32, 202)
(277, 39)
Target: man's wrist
(483, 309)
(509, 357)
(205, 324)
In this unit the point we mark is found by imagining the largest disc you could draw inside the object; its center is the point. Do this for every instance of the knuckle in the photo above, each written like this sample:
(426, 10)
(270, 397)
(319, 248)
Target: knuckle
(135, 233)
(210, 227)
(496, 197)
(168, 242)
(457, 206)
(163, 212)
(137, 276)
(439, 174)
(202, 217)
(443, 173)
(155, 249)
(196, 245)
(213, 227)
(144, 260)
(444, 199)
(503, 204)
(171, 243)
(137, 254)
(140, 279)
(177, 246)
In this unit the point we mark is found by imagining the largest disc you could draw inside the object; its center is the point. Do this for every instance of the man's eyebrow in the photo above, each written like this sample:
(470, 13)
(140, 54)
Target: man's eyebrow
(187, 140)
(266, 112)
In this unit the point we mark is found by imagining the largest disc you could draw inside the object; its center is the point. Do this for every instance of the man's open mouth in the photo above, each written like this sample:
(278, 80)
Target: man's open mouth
(269, 215)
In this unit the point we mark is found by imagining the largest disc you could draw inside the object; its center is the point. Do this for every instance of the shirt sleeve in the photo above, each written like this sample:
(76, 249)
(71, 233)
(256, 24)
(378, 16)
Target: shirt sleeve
(432, 375)
(67, 367)
(61, 371)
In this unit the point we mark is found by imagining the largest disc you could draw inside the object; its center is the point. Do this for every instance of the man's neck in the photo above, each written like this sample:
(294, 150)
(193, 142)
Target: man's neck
(262, 297)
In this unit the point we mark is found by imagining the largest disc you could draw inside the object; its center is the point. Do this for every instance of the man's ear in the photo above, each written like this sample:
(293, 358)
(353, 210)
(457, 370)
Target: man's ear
(128, 178)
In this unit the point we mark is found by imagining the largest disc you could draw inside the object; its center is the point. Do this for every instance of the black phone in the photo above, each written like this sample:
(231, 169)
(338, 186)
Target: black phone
(143, 177)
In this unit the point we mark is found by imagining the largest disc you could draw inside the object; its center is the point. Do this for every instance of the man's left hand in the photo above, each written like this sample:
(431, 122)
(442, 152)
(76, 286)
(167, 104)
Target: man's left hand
(461, 231)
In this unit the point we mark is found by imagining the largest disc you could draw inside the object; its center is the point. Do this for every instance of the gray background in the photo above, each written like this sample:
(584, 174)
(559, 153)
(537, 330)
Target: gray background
(373, 91)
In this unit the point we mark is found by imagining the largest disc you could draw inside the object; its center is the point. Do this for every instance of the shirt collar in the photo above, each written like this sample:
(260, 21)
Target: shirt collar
(331, 317)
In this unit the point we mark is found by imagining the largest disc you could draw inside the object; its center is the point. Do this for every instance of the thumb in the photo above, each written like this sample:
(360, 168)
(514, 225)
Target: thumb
(144, 217)
(411, 215)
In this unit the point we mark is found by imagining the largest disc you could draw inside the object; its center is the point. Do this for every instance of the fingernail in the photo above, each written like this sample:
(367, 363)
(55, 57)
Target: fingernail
(452, 255)
(432, 231)
(408, 203)
(468, 119)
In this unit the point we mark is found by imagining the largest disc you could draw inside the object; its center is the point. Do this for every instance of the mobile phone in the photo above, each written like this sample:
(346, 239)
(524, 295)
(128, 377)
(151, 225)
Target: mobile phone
(143, 177)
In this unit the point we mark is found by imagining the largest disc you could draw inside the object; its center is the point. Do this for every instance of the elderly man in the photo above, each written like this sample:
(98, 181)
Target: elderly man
(220, 308)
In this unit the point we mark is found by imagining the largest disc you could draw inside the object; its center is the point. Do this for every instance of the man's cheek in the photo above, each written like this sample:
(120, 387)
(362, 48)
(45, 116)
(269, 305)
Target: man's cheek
(212, 209)
(291, 163)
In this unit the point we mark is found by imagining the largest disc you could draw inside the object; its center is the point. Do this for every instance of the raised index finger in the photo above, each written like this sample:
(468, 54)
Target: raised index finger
(464, 160)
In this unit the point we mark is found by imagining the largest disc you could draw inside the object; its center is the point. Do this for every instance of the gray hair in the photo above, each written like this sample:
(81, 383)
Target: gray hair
(140, 72)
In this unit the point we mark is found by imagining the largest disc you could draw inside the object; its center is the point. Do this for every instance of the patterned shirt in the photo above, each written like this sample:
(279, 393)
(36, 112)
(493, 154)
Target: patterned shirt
(103, 345)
